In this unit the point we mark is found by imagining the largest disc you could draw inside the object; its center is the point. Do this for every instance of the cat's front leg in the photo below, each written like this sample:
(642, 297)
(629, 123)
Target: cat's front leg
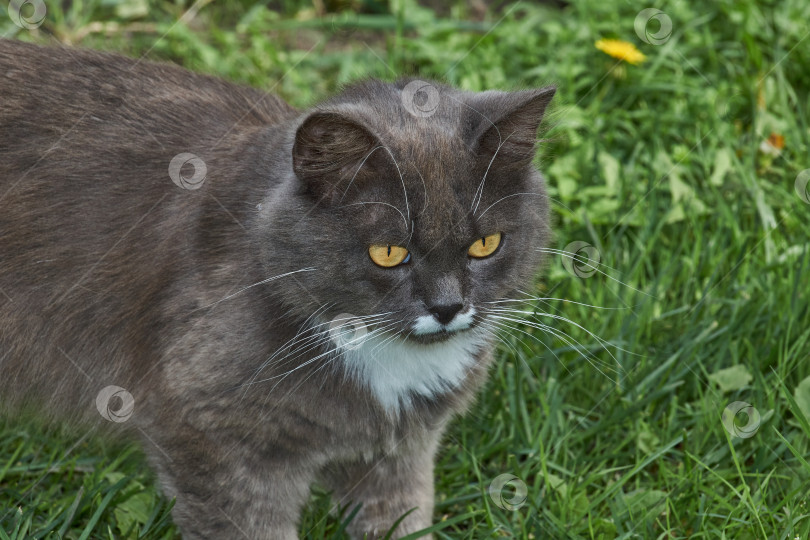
(387, 487)
(227, 489)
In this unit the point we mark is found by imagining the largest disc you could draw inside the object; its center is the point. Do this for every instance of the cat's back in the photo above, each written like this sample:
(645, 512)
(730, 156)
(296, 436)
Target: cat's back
(77, 125)
(56, 90)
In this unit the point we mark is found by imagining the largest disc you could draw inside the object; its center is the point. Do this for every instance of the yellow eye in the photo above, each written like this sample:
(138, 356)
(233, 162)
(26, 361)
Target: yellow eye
(484, 247)
(388, 256)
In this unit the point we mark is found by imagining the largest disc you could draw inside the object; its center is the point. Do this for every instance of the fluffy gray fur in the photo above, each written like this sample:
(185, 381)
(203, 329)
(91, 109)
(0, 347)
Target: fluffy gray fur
(211, 306)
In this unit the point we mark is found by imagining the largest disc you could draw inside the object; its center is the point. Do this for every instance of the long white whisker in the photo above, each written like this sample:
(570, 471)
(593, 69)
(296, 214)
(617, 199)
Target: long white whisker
(329, 351)
(549, 298)
(495, 330)
(571, 255)
(515, 328)
(387, 340)
(311, 342)
(401, 179)
(503, 198)
(324, 335)
(305, 327)
(564, 319)
(327, 354)
(565, 339)
(587, 262)
(268, 280)
(358, 171)
(602, 343)
(480, 191)
(545, 301)
(407, 224)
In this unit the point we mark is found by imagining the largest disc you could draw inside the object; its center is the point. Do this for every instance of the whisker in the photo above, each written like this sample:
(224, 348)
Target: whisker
(329, 333)
(329, 361)
(480, 191)
(503, 198)
(495, 331)
(268, 280)
(358, 171)
(331, 350)
(564, 319)
(549, 298)
(322, 334)
(562, 335)
(389, 339)
(332, 359)
(407, 225)
(601, 341)
(305, 327)
(582, 260)
(514, 328)
(568, 340)
(572, 255)
(402, 180)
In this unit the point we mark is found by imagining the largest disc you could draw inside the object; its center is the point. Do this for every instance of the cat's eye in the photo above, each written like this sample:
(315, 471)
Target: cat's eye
(485, 246)
(388, 256)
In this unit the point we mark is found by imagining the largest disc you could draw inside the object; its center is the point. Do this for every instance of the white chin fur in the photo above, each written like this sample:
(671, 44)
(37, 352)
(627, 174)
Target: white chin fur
(394, 368)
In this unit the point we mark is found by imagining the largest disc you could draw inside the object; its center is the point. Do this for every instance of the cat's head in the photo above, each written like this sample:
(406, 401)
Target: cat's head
(417, 205)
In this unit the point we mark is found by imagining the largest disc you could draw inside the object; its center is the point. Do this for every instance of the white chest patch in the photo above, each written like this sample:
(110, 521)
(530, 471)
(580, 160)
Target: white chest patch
(394, 368)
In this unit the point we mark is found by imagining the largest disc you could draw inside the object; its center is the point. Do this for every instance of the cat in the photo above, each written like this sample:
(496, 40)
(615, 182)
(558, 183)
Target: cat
(267, 298)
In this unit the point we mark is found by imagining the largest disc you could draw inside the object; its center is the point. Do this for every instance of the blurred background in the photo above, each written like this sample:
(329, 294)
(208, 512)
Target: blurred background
(662, 387)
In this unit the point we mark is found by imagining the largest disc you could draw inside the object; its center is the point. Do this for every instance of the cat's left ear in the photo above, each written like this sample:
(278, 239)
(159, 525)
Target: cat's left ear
(334, 154)
(506, 124)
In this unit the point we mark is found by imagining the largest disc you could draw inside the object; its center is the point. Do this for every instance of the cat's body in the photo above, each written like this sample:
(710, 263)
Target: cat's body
(212, 306)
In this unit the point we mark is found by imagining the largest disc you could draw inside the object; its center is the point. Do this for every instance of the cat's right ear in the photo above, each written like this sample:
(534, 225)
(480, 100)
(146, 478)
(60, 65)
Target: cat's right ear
(334, 156)
(506, 133)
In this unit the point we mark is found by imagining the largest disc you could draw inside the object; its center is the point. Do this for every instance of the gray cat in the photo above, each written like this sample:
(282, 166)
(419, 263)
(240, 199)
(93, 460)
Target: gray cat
(266, 297)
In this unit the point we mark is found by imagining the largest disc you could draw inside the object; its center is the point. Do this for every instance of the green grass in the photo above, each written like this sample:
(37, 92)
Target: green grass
(659, 166)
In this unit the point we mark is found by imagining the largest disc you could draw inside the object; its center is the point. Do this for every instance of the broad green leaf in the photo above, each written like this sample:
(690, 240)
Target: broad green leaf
(133, 512)
(641, 501)
(679, 189)
(610, 170)
(802, 395)
(722, 165)
(732, 378)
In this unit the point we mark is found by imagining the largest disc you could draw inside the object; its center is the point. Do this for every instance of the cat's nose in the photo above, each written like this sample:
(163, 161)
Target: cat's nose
(444, 313)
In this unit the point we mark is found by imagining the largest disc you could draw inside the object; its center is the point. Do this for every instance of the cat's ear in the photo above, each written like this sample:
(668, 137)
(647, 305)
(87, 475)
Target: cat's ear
(333, 154)
(507, 123)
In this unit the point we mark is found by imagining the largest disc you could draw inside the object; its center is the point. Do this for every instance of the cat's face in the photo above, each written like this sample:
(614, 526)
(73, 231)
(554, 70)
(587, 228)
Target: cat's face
(415, 220)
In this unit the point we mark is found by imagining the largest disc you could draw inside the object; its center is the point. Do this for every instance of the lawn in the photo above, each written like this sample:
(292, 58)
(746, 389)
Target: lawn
(662, 388)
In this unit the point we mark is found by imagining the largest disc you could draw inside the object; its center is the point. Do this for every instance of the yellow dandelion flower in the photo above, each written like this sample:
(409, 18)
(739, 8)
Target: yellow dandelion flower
(621, 50)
